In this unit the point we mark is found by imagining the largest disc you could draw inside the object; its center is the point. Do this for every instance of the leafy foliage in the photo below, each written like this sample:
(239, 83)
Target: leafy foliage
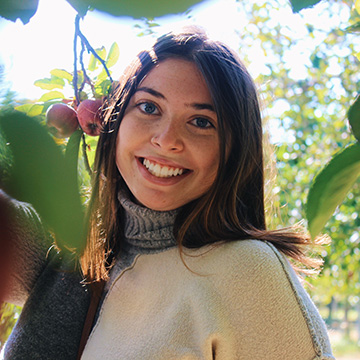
(335, 180)
(310, 109)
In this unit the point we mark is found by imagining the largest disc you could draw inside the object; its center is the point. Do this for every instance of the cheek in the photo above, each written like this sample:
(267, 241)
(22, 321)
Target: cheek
(121, 148)
(118, 153)
(209, 160)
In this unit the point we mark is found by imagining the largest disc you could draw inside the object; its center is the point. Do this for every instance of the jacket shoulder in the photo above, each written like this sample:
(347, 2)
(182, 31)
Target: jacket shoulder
(243, 256)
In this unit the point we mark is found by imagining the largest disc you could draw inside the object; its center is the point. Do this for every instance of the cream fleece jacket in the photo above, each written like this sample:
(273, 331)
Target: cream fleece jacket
(239, 301)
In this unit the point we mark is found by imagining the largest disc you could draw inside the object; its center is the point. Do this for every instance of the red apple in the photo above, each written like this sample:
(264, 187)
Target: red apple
(62, 120)
(90, 116)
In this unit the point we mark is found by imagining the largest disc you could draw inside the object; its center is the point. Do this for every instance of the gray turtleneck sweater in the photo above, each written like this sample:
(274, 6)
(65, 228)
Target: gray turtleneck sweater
(146, 231)
(56, 301)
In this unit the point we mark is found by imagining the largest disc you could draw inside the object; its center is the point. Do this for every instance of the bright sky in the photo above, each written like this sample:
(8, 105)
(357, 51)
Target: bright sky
(30, 51)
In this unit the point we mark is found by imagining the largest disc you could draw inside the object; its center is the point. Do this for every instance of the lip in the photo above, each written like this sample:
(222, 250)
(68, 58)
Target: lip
(161, 181)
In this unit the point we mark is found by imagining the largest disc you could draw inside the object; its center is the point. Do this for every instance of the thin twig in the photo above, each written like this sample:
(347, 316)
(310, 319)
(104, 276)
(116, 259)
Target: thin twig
(86, 159)
(82, 67)
(87, 80)
(75, 77)
(91, 49)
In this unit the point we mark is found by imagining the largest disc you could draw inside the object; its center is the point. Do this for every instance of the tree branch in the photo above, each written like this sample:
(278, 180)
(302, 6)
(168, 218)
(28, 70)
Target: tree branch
(75, 77)
(91, 49)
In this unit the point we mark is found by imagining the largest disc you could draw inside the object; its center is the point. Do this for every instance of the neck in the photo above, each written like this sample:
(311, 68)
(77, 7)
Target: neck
(146, 230)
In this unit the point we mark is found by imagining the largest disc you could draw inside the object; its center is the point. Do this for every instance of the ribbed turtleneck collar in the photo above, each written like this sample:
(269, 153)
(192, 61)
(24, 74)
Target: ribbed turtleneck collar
(147, 230)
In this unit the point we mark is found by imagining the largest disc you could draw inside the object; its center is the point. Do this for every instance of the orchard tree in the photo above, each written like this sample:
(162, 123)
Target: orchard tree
(314, 112)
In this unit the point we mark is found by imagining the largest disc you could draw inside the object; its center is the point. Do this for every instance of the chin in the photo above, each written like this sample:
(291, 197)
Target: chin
(160, 206)
(155, 207)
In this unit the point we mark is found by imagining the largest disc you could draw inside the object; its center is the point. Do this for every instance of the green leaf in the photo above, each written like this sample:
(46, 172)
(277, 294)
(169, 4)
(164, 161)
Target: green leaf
(30, 109)
(43, 177)
(51, 95)
(113, 55)
(63, 74)
(93, 61)
(353, 28)
(354, 118)
(72, 150)
(357, 6)
(298, 5)
(24, 108)
(136, 8)
(35, 110)
(80, 78)
(91, 142)
(18, 9)
(102, 88)
(102, 76)
(50, 84)
(330, 187)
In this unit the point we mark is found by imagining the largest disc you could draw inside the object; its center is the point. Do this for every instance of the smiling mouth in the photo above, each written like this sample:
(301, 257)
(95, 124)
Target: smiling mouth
(162, 171)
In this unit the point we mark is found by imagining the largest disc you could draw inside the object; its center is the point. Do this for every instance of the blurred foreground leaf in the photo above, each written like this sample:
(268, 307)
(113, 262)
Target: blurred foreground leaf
(18, 9)
(354, 118)
(25, 9)
(298, 5)
(134, 8)
(72, 151)
(42, 176)
(330, 187)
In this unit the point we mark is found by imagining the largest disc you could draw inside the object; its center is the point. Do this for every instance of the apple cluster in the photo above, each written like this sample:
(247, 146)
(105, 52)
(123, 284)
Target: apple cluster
(63, 119)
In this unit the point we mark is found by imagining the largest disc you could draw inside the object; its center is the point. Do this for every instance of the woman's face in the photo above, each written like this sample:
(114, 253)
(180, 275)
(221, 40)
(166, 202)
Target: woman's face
(167, 147)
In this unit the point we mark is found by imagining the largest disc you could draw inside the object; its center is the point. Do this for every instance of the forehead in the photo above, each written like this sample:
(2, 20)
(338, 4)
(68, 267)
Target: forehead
(178, 77)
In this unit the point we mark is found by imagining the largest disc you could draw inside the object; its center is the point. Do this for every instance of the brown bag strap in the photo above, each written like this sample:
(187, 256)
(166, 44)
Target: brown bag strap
(96, 289)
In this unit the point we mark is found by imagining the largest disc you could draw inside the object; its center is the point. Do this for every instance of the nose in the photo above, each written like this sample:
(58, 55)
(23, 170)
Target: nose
(167, 137)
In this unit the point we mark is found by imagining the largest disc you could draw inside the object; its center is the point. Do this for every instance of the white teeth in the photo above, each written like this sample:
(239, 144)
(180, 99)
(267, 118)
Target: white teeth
(157, 170)
(164, 171)
(161, 171)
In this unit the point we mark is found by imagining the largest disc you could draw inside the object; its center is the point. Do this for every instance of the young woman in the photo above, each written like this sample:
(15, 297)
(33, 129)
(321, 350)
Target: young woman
(177, 230)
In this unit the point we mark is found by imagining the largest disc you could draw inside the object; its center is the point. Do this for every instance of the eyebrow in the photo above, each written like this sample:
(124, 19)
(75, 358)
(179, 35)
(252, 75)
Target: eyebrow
(197, 106)
(202, 106)
(151, 92)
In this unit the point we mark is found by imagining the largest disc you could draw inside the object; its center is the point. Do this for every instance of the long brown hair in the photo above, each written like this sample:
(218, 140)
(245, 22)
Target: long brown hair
(233, 208)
